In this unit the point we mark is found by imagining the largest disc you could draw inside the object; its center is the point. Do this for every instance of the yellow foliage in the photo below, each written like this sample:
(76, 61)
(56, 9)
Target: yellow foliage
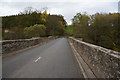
(44, 16)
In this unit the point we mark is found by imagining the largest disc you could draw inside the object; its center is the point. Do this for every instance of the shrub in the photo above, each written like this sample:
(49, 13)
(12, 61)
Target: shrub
(37, 30)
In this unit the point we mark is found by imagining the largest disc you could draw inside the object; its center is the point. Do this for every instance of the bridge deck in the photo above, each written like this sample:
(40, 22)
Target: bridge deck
(52, 60)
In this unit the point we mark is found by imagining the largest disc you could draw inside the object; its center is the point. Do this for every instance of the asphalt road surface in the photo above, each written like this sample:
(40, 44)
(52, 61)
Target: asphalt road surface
(52, 60)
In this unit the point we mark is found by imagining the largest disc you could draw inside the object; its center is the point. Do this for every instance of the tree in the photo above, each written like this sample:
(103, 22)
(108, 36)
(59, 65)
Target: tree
(55, 25)
(14, 33)
(28, 10)
(69, 30)
(80, 24)
(35, 31)
(99, 29)
(44, 16)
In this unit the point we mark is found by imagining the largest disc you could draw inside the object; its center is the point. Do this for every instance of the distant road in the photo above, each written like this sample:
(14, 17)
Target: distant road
(52, 60)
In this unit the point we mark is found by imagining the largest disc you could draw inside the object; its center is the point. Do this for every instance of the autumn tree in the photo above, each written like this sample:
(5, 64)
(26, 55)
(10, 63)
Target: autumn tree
(99, 29)
(55, 25)
(35, 31)
(80, 24)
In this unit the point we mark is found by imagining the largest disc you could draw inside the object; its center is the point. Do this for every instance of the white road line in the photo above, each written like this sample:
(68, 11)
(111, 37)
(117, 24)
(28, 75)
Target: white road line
(38, 59)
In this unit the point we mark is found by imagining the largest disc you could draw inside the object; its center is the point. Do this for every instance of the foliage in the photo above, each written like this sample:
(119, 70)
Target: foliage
(14, 33)
(55, 25)
(81, 23)
(69, 30)
(99, 29)
(15, 24)
(35, 31)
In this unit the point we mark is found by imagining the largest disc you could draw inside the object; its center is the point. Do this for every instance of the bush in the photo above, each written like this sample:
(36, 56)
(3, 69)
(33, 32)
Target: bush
(35, 31)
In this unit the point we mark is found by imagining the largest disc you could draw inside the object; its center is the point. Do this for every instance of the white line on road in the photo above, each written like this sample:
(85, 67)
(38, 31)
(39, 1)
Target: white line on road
(38, 59)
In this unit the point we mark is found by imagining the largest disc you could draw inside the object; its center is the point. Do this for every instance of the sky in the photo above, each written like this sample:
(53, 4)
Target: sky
(67, 8)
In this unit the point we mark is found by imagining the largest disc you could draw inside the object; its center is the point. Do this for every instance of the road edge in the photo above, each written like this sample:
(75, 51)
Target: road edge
(86, 71)
(22, 50)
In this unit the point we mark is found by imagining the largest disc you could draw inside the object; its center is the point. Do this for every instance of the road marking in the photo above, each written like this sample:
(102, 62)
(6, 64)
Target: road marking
(38, 59)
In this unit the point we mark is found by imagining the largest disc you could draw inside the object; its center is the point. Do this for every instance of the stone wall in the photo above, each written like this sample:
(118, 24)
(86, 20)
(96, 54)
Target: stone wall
(9, 46)
(104, 63)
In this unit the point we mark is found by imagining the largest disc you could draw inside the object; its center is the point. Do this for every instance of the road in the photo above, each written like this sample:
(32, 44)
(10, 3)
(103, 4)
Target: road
(52, 60)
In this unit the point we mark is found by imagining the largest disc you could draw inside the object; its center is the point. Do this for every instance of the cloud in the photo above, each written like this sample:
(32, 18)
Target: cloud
(59, 0)
(67, 9)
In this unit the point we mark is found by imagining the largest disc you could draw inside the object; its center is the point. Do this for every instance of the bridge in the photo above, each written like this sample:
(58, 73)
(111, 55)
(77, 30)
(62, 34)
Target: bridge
(58, 58)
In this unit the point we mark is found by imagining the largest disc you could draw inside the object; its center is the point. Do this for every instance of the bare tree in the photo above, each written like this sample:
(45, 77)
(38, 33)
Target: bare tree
(28, 10)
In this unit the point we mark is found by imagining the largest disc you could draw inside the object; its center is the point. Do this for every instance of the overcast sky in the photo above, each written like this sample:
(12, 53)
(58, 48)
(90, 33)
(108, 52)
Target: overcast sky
(67, 8)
